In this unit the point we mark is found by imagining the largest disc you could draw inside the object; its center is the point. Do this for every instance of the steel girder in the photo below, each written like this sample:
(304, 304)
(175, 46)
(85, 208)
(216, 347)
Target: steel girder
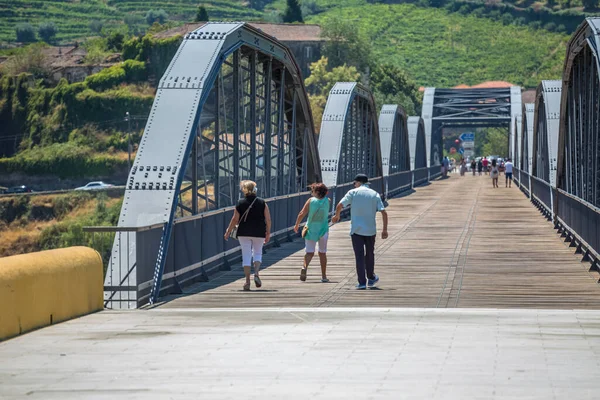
(516, 110)
(427, 115)
(393, 135)
(468, 107)
(416, 138)
(349, 137)
(527, 129)
(231, 106)
(545, 131)
(518, 142)
(579, 129)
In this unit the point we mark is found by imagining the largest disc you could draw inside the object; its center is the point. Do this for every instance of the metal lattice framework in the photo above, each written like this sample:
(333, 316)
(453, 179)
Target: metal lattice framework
(349, 136)
(545, 131)
(416, 137)
(518, 142)
(473, 107)
(393, 135)
(526, 164)
(231, 106)
(579, 129)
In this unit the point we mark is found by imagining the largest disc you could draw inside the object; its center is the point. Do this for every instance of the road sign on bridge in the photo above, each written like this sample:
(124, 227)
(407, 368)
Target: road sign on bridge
(467, 137)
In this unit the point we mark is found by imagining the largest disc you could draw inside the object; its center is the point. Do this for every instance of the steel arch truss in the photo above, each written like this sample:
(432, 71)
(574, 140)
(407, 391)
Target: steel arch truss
(579, 136)
(393, 135)
(349, 135)
(473, 107)
(416, 137)
(526, 164)
(231, 106)
(545, 131)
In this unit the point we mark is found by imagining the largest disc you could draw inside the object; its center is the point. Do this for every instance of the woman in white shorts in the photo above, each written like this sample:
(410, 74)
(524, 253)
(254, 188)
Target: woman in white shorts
(317, 226)
(254, 229)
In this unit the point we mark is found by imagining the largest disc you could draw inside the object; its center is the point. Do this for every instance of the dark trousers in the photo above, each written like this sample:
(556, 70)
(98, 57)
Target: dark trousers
(364, 252)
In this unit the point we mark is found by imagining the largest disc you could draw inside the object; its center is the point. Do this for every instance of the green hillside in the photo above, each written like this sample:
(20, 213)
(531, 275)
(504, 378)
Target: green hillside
(73, 18)
(440, 48)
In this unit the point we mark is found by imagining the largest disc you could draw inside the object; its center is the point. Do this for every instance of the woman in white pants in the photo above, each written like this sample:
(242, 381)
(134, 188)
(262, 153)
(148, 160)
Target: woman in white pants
(254, 219)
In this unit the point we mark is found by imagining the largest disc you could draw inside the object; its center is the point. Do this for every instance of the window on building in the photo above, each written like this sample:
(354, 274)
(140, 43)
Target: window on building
(308, 52)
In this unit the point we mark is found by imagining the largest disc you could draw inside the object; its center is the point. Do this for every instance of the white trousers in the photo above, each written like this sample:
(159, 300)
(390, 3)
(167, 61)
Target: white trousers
(251, 249)
(311, 245)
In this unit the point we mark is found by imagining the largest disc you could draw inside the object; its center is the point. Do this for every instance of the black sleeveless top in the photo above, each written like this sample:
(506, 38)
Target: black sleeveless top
(255, 225)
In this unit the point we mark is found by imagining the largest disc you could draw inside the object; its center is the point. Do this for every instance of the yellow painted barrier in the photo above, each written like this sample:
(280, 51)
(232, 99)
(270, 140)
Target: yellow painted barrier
(40, 289)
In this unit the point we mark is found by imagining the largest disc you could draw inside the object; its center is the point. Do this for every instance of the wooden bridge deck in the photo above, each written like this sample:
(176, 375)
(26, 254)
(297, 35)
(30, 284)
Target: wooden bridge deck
(454, 243)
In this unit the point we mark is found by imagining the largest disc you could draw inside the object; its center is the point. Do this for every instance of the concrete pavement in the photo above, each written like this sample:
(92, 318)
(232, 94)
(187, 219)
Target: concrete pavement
(302, 353)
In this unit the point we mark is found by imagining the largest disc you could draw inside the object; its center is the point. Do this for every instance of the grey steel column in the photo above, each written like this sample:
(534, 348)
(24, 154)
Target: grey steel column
(195, 171)
(236, 119)
(281, 123)
(268, 127)
(253, 116)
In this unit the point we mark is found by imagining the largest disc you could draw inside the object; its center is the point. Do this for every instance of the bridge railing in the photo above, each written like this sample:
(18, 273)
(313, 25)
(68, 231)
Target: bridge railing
(435, 171)
(420, 176)
(541, 194)
(524, 178)
(197, 248)
(581, 218)
(517, 176)
(399, 182)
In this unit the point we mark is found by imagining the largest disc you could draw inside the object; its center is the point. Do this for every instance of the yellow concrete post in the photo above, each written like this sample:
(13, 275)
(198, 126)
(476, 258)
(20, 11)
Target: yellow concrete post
(40, 289)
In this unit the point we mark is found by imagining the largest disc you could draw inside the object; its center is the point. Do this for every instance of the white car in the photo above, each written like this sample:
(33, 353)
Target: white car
(95, 186)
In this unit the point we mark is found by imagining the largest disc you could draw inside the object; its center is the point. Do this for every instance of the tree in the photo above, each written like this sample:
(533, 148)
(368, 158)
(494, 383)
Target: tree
(31, 60)
(133, 22)
(589, 4)
(391, 85)
(293, 12)
(495, 142)
(96, 26)
(114, 41)
(202, 14)
(47, 31)
(345, 44)
(320, 82)
(159, 16)
(25, 33)
(257, 4)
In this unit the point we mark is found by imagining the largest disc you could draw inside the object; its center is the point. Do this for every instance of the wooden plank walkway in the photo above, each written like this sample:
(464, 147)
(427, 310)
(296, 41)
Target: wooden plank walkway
(454, 243)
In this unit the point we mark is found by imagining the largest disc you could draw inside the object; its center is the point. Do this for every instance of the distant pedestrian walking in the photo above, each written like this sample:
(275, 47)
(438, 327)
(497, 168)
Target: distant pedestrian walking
(363, 228)
(463, 167)
(473, 166)
(316, 228)
(479, 167)
(485, 165)
(494, 173)
(253, 222)
(508, 172)
(445, 167)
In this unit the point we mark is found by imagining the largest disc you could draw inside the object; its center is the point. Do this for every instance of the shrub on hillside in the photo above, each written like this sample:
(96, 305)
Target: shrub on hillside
(159, 16)
(96, 26)
(114, 41)
(106, 79)
(47, 31)
(201, 14)
(130, 71)
(157, 52)
(65, 160)
(25, 33)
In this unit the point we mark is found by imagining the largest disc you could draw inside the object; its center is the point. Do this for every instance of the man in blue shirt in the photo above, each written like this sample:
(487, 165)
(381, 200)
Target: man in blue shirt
(363, 229)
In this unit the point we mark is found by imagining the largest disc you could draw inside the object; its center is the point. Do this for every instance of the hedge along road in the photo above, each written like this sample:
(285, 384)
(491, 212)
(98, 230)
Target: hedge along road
(116, 189)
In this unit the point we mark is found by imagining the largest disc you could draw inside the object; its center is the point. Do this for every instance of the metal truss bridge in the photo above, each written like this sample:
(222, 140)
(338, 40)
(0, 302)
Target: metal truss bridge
(232, 106)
